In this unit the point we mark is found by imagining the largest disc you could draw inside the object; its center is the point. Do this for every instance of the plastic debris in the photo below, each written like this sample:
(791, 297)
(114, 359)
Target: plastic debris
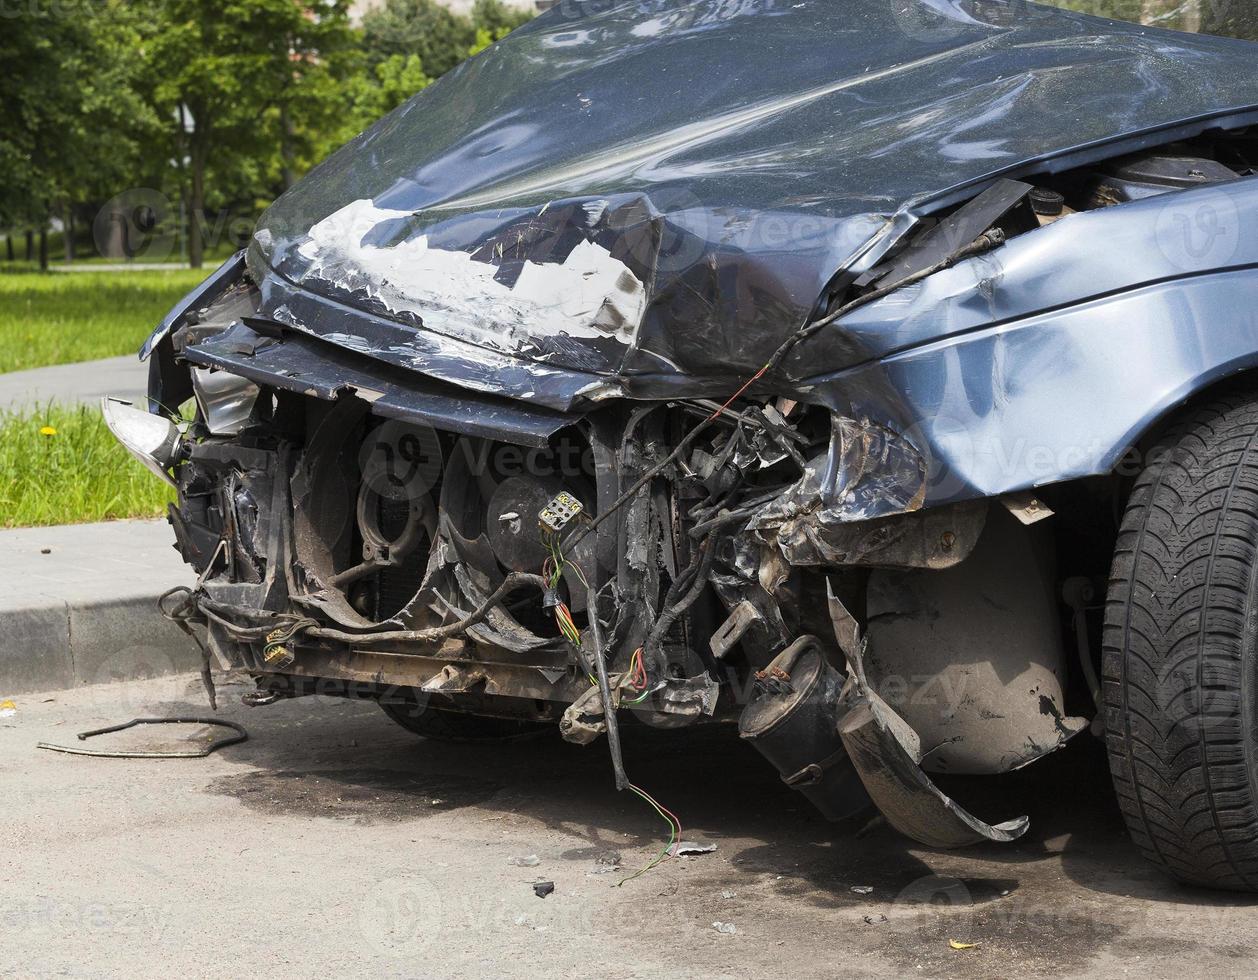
(543, 888)
(684, 847)
(524, 861)
(7, 709)
(875, 920)
(725, 928)
(861, 889)
(959, 945)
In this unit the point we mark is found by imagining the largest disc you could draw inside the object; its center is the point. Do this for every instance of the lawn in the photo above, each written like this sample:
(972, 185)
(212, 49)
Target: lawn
(61, 465)
(62, 317)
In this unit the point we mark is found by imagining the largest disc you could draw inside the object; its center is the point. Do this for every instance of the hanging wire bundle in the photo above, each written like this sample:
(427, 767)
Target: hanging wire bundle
(636, 679)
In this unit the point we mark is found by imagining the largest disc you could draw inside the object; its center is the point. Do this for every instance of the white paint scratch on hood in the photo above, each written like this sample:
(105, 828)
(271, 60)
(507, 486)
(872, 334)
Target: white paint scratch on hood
(590, 294)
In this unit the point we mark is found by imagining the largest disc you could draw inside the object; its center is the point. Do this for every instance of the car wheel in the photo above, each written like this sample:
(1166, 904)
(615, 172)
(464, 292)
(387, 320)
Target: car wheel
(1180, 666)
(458, 726)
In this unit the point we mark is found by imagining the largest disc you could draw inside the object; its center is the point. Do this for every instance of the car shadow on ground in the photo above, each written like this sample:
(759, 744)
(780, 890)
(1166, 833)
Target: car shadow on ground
(345, 760)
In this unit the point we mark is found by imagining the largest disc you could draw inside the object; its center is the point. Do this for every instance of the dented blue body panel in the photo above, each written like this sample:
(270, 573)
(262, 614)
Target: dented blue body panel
(1047, 359)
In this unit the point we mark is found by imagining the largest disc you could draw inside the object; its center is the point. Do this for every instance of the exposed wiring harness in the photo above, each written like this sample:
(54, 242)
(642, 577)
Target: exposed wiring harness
(984, 243)
(674, 834)
(635, 679)
(687, 588)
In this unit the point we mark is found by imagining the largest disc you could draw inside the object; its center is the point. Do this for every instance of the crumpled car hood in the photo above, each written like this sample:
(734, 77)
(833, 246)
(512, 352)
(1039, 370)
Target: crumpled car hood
(644, 190)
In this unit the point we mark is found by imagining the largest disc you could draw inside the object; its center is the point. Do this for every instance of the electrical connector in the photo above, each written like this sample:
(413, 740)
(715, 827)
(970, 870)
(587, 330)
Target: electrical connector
(560, 512)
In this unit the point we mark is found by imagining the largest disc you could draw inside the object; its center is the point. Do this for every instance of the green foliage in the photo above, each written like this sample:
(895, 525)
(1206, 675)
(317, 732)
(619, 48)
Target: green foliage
(417, 27)
(390, 83)
(61, 465)
(70, 81)
(215, 105)
(240, 83)
(80, 316)
(497, 18)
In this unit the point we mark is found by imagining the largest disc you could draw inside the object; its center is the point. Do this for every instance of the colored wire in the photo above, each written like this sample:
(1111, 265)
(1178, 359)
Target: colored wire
(552, 571)
(674, 834)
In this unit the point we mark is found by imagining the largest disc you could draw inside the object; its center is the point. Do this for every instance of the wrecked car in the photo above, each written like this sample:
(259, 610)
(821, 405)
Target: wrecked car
(877, 374)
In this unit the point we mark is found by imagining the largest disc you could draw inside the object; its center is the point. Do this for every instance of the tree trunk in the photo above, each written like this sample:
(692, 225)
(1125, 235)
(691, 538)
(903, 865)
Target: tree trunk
(8, 246)
(67, 222)
(30, 245)
(196, 211)
(43, 247)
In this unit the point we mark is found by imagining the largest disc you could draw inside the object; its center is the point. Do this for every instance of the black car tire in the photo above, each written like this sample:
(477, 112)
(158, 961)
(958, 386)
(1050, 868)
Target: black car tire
(1180, 666)
(458, 726)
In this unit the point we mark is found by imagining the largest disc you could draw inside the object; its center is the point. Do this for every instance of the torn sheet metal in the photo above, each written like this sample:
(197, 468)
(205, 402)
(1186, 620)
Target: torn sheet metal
(215, 284)
(586, 294)
(904, 794)
(887, 753)
(859, 505)
(1047, 359)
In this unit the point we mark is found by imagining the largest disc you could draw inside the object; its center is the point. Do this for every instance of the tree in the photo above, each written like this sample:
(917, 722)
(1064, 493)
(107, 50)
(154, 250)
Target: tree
(381, 89)
(68, 110)
(439, 37)
(424, 28)
(1229, 19)
(236, 80)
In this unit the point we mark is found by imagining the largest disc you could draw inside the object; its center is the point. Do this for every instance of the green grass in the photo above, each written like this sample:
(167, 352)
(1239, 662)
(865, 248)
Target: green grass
(77, 472)
(62, 317)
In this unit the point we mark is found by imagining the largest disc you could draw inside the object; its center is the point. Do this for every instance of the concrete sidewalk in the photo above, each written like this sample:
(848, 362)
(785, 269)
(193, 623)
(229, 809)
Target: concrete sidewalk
(78, 605)
(86, 382)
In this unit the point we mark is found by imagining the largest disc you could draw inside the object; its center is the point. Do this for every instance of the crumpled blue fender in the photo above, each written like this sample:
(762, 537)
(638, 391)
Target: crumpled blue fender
(1046, 360)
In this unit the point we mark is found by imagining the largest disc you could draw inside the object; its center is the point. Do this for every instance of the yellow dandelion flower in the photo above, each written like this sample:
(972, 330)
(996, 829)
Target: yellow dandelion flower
(47, 430)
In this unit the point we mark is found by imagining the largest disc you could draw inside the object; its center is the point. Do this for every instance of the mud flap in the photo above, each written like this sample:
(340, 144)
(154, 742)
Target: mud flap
(886, 753)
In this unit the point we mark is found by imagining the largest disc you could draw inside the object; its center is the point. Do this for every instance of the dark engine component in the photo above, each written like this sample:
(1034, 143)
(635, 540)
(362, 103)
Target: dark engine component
(792, 720)
(1149, 174)
(512, 520)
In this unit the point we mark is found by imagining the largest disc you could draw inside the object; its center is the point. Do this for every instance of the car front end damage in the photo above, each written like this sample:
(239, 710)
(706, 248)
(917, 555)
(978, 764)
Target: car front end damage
(348, 540)
(553, 442)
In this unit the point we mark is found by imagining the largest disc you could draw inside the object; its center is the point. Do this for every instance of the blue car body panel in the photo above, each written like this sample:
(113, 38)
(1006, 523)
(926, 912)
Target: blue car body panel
(1047, 359)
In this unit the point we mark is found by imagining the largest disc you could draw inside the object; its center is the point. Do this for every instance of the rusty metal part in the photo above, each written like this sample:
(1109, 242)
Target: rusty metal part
(1026, 507)
(528, 679)
(860, 504)
(585, 719)
(454, 679)
(433, 634)
(940, 537)
(743, 617)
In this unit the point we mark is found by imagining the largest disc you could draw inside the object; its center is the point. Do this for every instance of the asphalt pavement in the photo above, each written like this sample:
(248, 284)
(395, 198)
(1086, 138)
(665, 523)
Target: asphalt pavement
(334, 842)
